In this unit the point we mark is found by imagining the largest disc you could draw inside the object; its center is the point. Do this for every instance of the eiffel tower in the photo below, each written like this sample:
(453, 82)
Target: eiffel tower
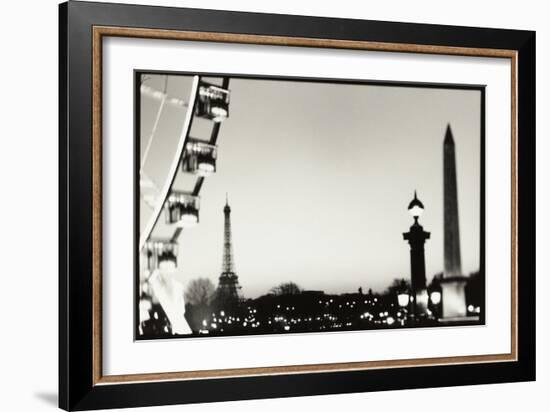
(228, 291)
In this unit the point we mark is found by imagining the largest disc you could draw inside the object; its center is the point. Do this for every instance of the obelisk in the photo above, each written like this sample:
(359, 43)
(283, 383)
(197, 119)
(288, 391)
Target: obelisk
(453, 282)
(453, 266)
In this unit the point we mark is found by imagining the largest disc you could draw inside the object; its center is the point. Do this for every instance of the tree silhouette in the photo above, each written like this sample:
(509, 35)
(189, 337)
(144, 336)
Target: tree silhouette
(199, 292)
(398, 285)
(287, 288)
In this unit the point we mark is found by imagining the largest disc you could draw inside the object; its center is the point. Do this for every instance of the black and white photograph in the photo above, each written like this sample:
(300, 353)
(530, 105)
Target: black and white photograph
(269, 205)
(272, 205)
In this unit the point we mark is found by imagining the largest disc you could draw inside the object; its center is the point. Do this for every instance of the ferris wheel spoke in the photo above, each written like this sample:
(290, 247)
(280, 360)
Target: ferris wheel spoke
(165, 190)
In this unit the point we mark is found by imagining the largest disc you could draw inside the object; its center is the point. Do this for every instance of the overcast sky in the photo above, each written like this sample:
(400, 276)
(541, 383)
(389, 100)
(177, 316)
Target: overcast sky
(319, 178)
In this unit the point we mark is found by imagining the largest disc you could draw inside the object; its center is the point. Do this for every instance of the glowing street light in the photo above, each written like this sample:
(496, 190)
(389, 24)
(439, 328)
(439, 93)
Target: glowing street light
(182, 209)
(435, 297)
(403, 299)
(416, 207)
(403, 296)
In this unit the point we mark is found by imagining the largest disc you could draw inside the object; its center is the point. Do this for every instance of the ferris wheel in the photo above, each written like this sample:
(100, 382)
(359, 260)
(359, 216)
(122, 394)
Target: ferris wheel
(177, 155)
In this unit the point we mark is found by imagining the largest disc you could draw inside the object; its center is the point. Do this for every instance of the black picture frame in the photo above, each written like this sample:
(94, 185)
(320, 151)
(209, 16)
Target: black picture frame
(78, 389)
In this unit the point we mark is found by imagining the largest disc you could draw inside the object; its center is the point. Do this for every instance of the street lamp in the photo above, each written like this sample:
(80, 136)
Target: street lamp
(416, 208)
(416, 236)
(435, 302)
(435, 297)
(403, 296)
(199, 158)
(403, 299)
(213, 102)
(161, 254)
(182, 209)
(405, 302)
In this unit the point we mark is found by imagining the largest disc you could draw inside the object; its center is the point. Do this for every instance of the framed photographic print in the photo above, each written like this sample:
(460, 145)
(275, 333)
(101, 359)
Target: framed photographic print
(257, 205)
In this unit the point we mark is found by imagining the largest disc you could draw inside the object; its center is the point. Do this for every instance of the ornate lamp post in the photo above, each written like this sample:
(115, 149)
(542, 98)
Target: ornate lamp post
(404, 302)
(416, 236)
(403, 298)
